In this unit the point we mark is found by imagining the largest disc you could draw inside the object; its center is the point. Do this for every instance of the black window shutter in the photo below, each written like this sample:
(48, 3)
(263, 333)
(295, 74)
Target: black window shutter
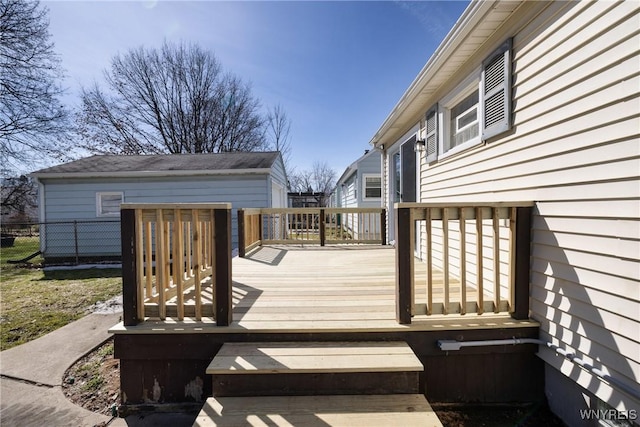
(431, 137)
(496, 90)
(409, 170)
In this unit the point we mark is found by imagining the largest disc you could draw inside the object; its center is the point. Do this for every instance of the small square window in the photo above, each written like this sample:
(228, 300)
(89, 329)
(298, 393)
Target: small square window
(108, 203)
(372, 187)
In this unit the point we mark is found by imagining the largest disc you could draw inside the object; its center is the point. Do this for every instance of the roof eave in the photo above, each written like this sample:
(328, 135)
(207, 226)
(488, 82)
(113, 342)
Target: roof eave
(466, 24)
(149, 174)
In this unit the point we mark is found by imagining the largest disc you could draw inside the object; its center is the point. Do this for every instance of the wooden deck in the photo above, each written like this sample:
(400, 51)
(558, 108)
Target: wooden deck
(321, 289)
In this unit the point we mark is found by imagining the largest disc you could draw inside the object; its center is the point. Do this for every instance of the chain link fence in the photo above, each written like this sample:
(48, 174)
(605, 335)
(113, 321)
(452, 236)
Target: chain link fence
(66, 242)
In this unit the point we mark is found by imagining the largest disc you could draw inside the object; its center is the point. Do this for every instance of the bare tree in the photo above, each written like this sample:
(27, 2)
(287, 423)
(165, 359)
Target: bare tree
(32, 119)
(18, 196)
(300, 181)
(175, 99)
(324, 179)
(278, 129)
(320, 179)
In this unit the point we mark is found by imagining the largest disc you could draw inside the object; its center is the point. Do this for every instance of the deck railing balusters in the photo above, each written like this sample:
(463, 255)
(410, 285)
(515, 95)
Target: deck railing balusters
(463, 261)
(310, 226)
(496, 261)
(479, 260)
(442, 255)
(178, 264)
(168, 252)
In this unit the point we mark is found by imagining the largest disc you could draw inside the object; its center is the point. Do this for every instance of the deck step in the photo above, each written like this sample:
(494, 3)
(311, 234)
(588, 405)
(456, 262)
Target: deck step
(315, 368)
(405, 410)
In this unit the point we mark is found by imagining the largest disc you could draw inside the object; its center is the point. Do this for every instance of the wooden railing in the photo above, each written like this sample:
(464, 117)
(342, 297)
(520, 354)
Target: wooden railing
(310, 226)
(476, 258)
(176, 261)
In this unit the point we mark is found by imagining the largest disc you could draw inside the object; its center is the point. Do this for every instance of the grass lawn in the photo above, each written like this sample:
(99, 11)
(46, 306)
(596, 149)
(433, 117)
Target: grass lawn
(34, 302)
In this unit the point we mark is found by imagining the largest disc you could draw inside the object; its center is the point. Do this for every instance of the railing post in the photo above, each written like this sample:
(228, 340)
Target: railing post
(241, 234)
(223, 284)
(322, 229)
(383, 227)
(522, 260)
(404, 265)
(75, 240)
(129, 285)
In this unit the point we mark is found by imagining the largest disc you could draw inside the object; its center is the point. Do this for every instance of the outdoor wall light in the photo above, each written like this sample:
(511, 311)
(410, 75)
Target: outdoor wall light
(420, 145)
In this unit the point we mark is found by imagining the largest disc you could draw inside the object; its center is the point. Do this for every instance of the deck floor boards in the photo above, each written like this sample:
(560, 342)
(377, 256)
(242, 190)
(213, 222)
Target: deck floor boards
(387, 410)
(330, 289)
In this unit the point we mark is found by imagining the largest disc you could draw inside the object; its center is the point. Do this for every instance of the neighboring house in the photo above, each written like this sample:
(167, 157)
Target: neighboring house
(90, 191)
(360, 186)
(540, 101)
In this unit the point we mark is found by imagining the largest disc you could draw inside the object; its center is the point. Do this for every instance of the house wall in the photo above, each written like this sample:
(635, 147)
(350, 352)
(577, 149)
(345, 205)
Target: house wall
(69, 200)
(368, 165)
(278, 183)
(574, 150)
(351, 193)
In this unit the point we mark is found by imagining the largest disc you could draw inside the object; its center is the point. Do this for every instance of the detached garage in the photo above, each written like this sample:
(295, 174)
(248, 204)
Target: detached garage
(79, 202)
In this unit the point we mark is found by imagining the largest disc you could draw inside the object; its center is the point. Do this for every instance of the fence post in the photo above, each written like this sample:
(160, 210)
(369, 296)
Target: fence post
(404, 265)
(223, 284)
(241, 234)
(522, 259)
(75, 241)
(129, 285)
(322, 229)
(383, 227)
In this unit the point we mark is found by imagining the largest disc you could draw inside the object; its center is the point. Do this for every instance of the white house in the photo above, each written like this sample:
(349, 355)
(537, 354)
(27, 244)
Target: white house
(540, 101)
(360, 186)
(90, 191)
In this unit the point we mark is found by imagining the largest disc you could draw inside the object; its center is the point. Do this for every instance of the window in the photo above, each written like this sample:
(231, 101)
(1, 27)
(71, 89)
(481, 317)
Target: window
(461, 116)
(108, 203)
(478, 109)
(465, 125)
(372, 186)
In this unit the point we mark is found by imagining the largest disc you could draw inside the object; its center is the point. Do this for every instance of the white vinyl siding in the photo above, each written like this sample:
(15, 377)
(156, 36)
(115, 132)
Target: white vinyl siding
(574, 151)
(69, 200)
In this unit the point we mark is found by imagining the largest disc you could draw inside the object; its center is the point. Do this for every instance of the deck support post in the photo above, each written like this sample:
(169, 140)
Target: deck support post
(129, 262)
(404, 265)
(522, 260)
(242, 252)
(223, 284)
(383, 227)
(322, 228)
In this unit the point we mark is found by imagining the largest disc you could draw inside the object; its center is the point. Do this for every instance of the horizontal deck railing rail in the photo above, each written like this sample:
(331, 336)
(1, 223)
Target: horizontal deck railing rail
(481, 249)
(311, 226)
(176, 261)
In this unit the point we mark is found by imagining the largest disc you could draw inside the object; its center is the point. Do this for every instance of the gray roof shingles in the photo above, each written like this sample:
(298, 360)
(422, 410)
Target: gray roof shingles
(165, 162)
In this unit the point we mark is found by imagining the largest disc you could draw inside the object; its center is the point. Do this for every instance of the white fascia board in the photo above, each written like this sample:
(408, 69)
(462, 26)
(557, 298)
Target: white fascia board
(475, 13)
(151, 174)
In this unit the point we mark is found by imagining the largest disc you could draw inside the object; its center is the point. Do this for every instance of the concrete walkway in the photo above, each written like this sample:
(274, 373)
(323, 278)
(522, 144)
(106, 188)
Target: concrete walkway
(31, 377)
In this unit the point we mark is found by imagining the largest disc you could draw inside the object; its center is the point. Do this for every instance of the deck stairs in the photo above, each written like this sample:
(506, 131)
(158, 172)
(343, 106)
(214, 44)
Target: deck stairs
(316, 384)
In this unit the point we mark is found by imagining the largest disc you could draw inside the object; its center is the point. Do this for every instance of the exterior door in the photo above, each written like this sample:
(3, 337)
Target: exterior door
(408, 175)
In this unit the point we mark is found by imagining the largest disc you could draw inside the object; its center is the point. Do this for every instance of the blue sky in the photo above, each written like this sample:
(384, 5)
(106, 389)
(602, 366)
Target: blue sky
(337, 68)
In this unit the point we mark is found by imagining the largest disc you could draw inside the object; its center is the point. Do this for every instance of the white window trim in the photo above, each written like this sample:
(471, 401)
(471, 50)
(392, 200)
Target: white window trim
(464, 89)
(364, 186)
(99, 195)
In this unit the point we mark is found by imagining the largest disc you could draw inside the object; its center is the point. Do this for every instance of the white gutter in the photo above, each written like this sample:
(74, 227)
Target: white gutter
(452, 345)
(145, 174)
